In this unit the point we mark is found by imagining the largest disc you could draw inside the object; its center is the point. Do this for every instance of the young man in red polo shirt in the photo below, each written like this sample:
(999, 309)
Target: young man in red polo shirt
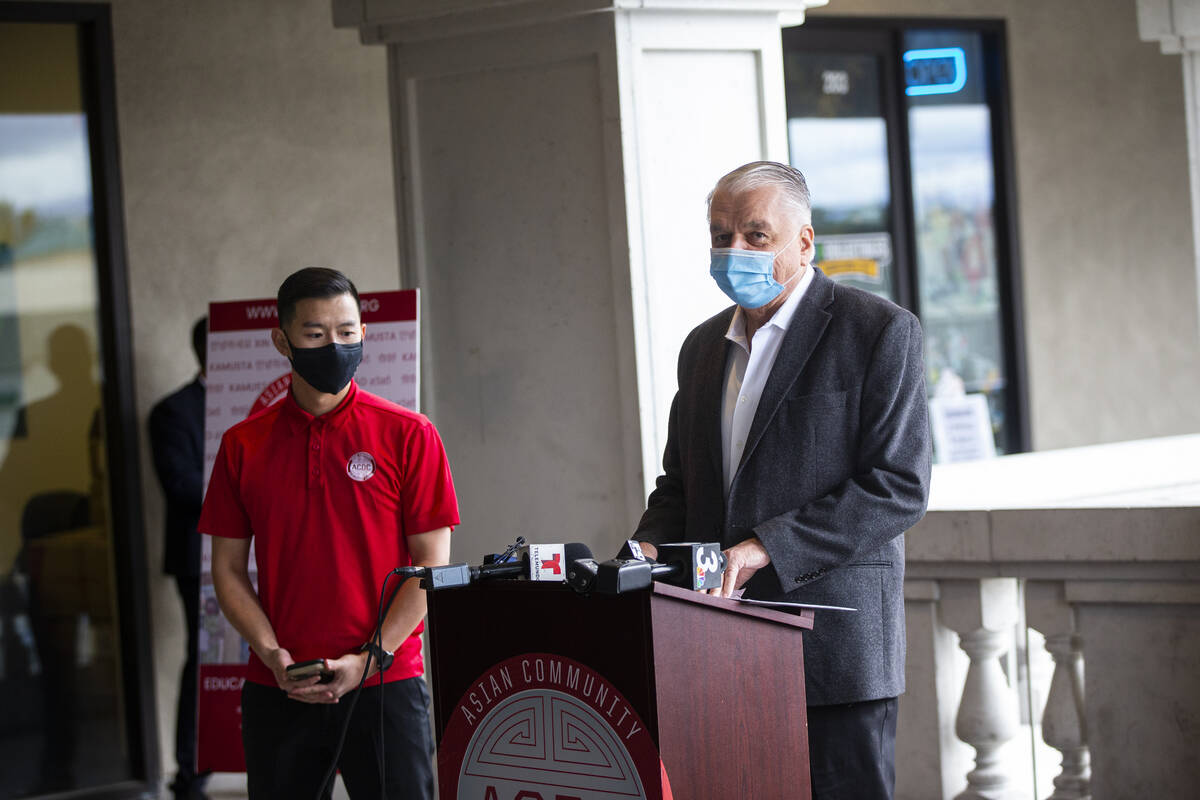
(335, 487)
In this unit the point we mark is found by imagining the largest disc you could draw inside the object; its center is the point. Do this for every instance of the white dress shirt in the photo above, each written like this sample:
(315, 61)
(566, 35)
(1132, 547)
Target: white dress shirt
(746, 371)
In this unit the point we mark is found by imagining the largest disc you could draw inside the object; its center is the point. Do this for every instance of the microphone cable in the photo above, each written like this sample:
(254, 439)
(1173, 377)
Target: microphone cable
(385, 602)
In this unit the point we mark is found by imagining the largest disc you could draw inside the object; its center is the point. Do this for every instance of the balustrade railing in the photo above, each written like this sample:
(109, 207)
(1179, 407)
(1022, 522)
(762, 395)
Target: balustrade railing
(1096, 549)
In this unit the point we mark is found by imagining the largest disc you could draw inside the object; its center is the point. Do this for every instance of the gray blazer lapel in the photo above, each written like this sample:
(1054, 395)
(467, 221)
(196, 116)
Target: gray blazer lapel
(805, 331)
(710, 377)
(708, 388)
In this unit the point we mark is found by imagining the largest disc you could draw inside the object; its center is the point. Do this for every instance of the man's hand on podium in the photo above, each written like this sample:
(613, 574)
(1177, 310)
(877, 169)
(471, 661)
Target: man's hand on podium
(741, 562)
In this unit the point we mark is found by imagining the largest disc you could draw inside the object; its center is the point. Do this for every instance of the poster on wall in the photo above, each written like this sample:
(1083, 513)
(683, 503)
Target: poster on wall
(246, 375)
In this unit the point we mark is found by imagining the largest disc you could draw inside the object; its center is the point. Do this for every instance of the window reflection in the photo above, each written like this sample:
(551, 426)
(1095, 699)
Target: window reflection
(837, 136)
(62, 727)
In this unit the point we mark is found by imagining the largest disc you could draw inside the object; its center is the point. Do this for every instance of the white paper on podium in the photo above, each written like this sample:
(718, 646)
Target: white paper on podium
(783, 604)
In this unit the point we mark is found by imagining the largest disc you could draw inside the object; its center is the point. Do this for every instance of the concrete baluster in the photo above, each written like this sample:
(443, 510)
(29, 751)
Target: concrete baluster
(930, 759)
(982, 613)
(1064, 726)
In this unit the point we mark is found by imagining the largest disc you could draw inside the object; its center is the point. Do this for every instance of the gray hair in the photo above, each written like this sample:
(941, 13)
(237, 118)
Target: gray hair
(768, 173)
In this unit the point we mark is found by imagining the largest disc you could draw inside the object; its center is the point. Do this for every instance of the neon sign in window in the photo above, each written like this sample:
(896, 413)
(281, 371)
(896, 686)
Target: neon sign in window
(939, 70)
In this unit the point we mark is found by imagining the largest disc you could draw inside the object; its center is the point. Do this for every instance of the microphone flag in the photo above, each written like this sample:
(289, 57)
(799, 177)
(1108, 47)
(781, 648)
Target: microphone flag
(547, 562)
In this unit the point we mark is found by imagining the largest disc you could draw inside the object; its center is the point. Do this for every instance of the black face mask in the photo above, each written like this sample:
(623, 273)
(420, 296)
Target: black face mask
(327, 369)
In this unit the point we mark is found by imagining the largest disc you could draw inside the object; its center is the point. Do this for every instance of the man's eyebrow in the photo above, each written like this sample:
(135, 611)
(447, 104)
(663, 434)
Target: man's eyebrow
(347, 324)
(749, 225)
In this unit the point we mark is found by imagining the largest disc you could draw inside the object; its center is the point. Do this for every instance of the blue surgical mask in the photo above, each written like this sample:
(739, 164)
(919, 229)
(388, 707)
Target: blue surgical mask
(747, 277)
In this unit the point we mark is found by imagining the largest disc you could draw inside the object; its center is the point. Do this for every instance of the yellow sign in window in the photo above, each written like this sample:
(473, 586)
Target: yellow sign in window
(851, 268)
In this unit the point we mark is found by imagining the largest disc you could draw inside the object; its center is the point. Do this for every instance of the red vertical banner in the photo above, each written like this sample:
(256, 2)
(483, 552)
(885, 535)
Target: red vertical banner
(245, 374)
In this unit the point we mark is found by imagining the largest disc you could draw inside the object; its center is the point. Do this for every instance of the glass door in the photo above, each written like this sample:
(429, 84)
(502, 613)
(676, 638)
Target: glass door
(952, 163)
(900, 129)
(75, 694)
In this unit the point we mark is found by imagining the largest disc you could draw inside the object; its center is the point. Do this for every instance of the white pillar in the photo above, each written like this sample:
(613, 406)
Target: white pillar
(1175, 25)
(1064, 724)
(552, 158)
(701, 93)
(983, 613)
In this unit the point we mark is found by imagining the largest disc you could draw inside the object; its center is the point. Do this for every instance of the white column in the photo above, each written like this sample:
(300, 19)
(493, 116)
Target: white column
(701, 93)
(1175, 25)
(552, 158)
(983, 613)
(1064, 724)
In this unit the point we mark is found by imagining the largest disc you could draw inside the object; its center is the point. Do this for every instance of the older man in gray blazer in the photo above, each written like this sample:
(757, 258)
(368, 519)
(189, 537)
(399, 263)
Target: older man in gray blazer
(799, 439)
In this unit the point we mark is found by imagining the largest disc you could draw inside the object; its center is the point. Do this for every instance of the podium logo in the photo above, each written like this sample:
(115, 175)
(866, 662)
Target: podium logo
(542, 727)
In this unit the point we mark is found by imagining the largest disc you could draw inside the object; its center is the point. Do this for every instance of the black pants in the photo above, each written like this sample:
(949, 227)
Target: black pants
(289, 745)
(852, 750)
(189, 681)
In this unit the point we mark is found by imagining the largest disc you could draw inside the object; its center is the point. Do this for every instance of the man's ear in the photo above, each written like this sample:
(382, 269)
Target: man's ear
(807, 241)
(279, 339)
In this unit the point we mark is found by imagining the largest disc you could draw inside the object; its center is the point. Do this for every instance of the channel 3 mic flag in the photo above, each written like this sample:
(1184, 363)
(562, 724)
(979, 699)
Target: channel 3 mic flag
(699, 566)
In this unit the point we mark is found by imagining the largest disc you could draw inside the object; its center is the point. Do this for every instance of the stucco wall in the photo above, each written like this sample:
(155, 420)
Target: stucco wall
(255, 140)
(1113, 341)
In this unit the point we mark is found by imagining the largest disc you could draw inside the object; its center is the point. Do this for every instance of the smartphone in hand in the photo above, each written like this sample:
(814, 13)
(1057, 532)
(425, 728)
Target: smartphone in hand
(307, 669)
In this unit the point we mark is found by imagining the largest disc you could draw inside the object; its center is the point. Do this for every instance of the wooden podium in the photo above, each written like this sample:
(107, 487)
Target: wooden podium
(540, 692)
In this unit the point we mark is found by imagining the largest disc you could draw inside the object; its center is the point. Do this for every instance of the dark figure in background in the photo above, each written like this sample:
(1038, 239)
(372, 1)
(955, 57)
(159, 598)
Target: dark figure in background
(54, 475)
(177, 439)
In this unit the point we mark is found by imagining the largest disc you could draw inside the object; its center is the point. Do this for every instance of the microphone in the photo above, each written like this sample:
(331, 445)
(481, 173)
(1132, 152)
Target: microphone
(537, 562)
(689, 565)
(585, 575)
(573, 553)
(493, 558)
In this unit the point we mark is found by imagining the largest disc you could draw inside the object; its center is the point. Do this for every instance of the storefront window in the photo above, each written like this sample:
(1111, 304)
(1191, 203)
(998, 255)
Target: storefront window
(895, 124)
(838, 131)
(954, 194)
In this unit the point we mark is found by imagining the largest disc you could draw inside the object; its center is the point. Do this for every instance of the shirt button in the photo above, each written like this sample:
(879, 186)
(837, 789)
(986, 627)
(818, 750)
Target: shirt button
(316, 445)
(742, 399)
(316, 471)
